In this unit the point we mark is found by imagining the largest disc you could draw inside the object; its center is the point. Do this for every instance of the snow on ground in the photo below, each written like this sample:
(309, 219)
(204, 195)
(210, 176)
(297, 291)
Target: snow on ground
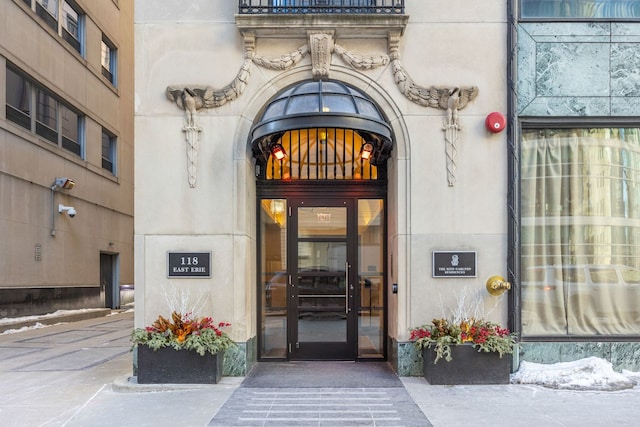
(28, 328)
(37, 325)
(591, 373)
(9, 320)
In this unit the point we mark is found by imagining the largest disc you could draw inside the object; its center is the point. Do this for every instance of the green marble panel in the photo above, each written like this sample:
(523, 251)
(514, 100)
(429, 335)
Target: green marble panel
(578, 69)
(409, 360)
(621, 355)
(626, 355)
(239, 360)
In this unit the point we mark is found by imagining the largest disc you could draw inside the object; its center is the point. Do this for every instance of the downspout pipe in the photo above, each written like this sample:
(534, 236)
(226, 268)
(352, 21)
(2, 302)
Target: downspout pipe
(53, 210)
(513, 167)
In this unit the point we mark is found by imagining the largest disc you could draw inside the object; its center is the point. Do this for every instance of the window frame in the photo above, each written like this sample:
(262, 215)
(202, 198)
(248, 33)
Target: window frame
(47, 126)
(76, 42)
(14, 113)
(110, 72)
(112, 160)
(528, 123)
(75, 145)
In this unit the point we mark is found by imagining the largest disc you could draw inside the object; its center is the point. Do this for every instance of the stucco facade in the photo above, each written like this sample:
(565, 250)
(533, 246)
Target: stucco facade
(59, 102)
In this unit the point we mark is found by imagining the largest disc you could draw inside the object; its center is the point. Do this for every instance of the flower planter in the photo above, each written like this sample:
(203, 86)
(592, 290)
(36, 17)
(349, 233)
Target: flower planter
(468, 366)
(167, 365)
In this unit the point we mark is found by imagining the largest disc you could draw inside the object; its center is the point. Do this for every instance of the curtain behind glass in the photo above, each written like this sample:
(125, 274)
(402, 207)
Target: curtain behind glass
(580, 205)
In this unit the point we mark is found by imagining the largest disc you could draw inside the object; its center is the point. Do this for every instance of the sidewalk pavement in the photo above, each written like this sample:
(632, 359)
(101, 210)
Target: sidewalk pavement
(78, 374)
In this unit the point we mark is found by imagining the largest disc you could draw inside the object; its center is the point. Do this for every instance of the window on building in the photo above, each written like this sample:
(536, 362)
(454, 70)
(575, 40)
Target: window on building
(18, 92)
(108, 152)
(46, 115)
(71, 125)
(70, 26)
(48, 11)
(580, 231)
(576, 9)
(53, 120)
(108, 60)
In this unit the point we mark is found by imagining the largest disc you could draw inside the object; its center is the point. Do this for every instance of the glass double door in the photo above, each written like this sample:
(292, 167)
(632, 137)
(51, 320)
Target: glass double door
(323, 292)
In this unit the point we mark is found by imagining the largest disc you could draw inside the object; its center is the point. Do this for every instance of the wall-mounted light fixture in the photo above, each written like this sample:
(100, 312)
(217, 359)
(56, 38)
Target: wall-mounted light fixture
(63, 183)
(277, 151)
(322, 136)
(70, 210)
(366, 151)
(60, 184)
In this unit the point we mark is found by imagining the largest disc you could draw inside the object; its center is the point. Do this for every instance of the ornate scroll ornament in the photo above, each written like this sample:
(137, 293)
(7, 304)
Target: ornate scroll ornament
(320, 47)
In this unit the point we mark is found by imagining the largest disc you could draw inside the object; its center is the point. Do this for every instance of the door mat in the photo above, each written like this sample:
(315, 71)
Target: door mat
(321, 374)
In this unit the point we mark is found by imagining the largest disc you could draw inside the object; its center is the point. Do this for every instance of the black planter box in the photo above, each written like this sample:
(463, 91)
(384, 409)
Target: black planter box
(468, 366)
(169, 366)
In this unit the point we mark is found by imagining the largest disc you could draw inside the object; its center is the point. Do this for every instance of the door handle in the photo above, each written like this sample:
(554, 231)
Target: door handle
(346, 287)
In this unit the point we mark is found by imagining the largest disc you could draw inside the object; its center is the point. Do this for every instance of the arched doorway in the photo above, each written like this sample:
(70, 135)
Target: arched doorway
(321, 149)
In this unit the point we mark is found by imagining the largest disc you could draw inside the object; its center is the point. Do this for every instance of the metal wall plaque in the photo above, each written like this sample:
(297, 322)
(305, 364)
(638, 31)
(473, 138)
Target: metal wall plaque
(189, 264)
(454, 263)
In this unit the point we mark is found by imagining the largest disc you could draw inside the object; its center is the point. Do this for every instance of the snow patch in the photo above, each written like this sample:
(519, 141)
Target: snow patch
(591, 373)
(28, 328)
(9, 320)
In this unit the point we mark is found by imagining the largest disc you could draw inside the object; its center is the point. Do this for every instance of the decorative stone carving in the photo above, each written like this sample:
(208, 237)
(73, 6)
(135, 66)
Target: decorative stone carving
(190, 100)
(359, 62)
(450, 99)
(321, 45)
(283, 62)
(192, 134)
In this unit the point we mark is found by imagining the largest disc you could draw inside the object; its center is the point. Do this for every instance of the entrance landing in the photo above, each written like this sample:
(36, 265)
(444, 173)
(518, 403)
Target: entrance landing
(320, 394)
(322, 374)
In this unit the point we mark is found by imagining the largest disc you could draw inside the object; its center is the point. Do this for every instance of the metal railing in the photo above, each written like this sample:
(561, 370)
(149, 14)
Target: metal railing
(321, 6)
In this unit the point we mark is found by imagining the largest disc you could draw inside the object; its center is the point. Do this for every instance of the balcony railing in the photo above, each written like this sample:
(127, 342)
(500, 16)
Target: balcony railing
(321, 6)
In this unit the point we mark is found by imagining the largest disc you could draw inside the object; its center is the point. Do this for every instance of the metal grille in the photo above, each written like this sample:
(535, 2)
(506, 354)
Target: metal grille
(320, 6)
(321, 154)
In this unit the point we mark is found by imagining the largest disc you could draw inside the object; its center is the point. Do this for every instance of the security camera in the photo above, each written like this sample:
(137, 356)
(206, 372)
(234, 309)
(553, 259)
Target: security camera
(70, 210)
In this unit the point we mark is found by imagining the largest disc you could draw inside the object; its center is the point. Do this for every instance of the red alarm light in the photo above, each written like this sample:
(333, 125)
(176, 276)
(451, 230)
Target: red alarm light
(496, 122)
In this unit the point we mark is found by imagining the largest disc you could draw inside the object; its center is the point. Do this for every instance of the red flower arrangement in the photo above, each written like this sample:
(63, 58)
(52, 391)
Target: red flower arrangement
(186, 332)
(481, 334)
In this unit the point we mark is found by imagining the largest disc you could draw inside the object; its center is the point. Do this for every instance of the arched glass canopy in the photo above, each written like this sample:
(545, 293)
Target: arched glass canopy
(321, 130)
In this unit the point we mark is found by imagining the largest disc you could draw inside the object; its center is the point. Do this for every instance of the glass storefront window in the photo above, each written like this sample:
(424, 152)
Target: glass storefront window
(580, 208)
(576, 9)
(273, 250)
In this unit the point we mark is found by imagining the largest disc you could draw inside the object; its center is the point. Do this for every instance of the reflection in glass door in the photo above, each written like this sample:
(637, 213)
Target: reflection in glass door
(371, 312)
(273, 222)
(322, 289)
